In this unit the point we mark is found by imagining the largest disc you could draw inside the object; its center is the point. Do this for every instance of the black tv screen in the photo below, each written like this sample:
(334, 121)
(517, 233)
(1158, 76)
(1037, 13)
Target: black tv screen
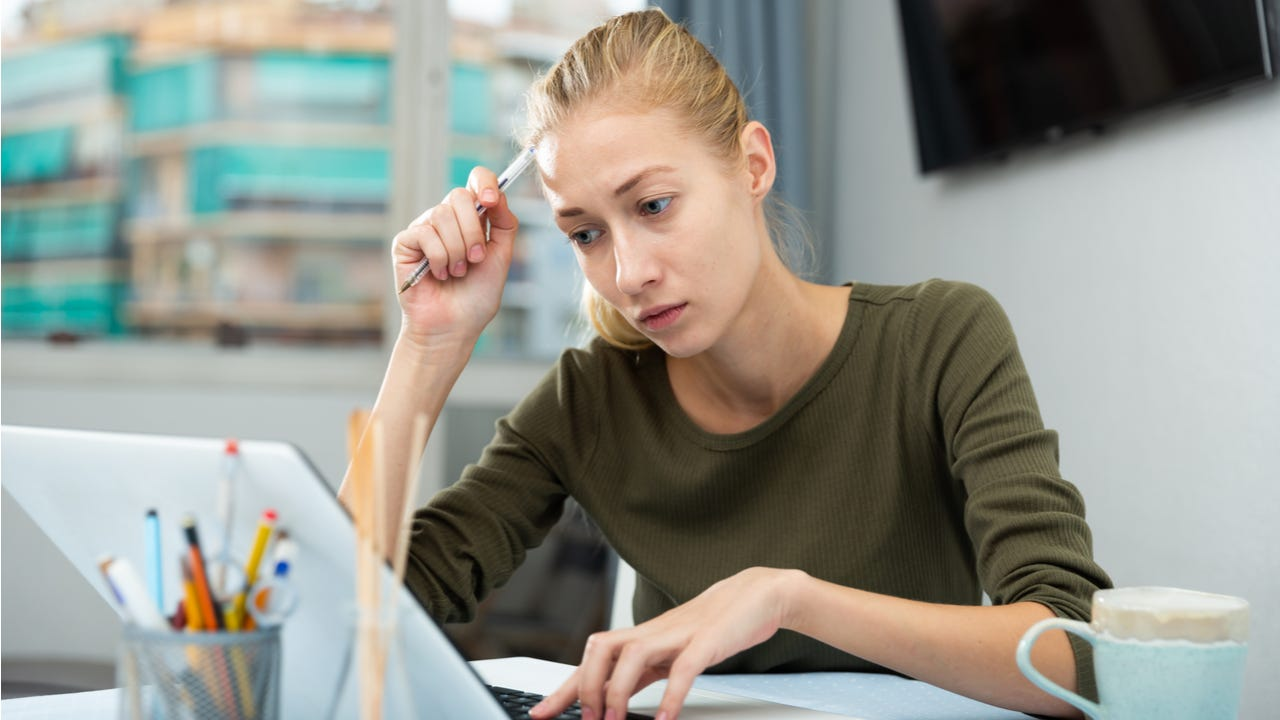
(988, 76)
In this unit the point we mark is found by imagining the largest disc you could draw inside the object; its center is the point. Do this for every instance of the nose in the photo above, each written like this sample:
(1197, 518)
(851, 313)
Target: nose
(636, 263)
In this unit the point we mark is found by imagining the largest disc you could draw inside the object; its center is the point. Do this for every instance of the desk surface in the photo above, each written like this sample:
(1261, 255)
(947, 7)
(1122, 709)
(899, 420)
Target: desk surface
(870, 696)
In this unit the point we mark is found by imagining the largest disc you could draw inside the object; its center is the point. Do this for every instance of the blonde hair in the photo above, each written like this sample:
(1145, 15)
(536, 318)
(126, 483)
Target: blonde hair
(646, 59)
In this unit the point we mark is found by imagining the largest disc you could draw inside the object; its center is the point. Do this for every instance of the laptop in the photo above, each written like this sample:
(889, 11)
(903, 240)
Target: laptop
(89, 492)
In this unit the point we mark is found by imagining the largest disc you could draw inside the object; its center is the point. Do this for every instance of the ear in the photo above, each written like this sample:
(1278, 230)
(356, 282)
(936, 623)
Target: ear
(757, 146)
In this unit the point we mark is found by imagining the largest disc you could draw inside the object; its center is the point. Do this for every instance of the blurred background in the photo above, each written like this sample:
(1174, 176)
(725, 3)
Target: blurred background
(223, 171)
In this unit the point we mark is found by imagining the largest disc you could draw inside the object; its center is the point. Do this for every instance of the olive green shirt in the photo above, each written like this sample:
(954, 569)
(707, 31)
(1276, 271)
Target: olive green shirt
(913, 463)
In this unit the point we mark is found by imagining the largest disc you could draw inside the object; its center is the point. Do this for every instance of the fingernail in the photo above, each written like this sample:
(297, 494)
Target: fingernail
(489, 195)
(476, 253)
(588, 713)
(610, 714)
(460, 268)
(662, 715)
(537, 709)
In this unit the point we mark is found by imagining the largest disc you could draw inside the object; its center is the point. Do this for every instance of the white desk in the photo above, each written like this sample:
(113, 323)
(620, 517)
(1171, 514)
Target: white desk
(874, 697)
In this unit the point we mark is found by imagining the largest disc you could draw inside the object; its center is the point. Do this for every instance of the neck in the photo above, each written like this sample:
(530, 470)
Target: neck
(776, 345)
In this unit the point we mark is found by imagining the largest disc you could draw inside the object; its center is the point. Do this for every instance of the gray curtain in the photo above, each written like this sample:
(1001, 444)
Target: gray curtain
(764, 45)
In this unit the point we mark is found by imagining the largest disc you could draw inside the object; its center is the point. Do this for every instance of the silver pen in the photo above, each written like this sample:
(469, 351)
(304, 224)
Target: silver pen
(513, 171)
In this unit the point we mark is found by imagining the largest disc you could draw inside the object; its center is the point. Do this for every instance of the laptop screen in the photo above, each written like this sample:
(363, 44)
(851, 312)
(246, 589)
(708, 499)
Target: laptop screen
(90, 492)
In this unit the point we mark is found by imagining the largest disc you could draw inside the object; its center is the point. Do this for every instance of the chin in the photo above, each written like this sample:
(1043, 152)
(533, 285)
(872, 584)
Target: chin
(680, 346)
(672, 351)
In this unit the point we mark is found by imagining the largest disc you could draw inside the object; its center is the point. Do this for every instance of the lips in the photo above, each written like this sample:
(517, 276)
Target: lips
(661, 316)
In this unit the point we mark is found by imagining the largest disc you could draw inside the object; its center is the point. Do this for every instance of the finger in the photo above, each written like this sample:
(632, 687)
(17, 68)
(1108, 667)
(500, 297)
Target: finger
(558, 701)
(597, 665)
(464, 230)
(430, 243)
(406, 247)
(484, 184)
(418, 242)
(480, 179)
(684, 671)
(635, 659)
(502, 221)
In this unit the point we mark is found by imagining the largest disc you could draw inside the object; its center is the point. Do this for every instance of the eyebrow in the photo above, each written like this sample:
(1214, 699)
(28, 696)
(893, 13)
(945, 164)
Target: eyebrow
(624, 187)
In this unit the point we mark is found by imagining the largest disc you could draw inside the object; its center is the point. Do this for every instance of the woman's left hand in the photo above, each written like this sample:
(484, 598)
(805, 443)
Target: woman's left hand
(729, 617)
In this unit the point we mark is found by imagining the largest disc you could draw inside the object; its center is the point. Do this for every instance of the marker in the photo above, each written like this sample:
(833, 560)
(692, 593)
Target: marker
(275, 600)
(286, 551)
(137, 602)
(209, 611)
(155, 582)
(508, 176)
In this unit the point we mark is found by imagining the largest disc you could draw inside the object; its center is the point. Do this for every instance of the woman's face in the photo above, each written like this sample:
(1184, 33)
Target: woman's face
(662, 228)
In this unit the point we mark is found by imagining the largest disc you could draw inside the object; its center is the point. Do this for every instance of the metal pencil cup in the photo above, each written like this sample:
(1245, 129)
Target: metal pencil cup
(186, 675)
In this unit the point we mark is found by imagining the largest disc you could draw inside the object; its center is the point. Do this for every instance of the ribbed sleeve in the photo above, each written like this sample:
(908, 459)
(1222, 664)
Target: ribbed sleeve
(473, 535)
(1025, 522)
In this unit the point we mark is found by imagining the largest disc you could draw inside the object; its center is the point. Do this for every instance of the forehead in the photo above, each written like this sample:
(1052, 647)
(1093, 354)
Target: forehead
(596, 151)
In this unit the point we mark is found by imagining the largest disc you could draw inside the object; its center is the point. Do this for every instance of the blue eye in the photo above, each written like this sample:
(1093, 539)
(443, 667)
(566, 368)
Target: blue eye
(584, 238)
(654, 206)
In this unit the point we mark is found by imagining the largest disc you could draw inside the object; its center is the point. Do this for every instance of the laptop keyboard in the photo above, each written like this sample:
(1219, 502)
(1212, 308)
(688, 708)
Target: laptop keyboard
(518, 702)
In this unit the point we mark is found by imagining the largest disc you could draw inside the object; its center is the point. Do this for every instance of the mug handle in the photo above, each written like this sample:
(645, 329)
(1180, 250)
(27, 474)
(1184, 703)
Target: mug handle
(1092, 709)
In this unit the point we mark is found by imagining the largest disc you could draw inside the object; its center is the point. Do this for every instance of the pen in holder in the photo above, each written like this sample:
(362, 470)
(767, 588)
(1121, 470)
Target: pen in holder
(166, 674)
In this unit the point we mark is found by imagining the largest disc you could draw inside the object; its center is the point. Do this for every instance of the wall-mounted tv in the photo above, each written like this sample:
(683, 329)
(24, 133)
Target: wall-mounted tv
(989, 76)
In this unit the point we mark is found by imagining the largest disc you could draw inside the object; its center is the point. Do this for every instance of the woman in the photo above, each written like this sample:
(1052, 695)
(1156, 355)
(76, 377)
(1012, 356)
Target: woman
(804, 477)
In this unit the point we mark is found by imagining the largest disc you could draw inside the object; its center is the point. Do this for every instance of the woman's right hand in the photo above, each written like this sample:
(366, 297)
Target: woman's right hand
(461, 291)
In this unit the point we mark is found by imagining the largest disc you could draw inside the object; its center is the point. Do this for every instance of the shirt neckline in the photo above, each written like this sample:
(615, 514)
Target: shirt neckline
(654, 367)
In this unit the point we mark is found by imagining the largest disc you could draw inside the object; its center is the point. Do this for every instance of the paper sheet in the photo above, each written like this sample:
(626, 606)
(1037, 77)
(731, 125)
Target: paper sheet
(865, 695)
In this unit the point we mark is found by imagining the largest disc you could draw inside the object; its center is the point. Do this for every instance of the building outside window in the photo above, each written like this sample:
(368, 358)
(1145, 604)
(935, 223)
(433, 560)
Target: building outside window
(221, 172)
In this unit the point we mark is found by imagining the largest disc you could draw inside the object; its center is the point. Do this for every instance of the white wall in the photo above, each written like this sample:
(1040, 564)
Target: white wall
(1140, 271)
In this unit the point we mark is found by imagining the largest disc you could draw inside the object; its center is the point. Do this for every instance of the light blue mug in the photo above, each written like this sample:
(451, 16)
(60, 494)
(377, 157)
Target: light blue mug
(1158, 653)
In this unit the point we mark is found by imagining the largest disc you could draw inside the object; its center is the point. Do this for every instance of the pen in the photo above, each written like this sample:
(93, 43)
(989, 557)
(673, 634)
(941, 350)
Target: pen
(226, 505)
(209, 610)
(513, 171)
(154, 582)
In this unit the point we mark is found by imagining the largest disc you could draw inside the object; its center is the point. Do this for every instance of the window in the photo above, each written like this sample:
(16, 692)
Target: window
(222, 171)
(197, 170)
